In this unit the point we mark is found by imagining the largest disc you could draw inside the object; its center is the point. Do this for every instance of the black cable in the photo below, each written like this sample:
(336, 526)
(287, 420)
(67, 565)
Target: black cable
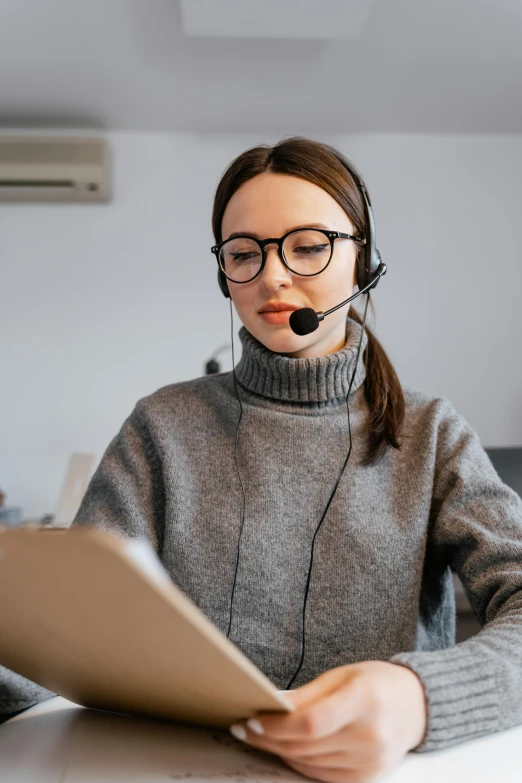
(330, 499)
(237, 465)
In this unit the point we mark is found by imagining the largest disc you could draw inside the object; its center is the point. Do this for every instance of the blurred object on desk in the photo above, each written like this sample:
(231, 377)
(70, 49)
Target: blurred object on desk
(76, 481)
(10, 516)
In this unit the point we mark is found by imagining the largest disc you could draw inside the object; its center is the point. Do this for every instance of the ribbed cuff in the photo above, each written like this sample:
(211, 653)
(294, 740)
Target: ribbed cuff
(461, 692)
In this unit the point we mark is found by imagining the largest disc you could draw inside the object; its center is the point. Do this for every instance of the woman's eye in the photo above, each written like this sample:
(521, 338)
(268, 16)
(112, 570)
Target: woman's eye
(310, 249)
(243, 256)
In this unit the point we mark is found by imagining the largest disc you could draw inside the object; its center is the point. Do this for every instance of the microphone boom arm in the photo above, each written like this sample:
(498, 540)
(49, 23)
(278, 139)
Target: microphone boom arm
(373, 283)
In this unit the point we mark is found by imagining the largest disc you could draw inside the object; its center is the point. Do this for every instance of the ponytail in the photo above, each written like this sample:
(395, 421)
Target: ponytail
(384, 395)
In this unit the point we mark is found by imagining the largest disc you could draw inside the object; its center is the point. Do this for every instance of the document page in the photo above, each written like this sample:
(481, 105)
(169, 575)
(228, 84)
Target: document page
(116, 748)
(112, 748)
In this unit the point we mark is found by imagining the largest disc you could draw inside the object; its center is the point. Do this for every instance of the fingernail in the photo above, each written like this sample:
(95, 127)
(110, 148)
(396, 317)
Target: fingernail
(255, 725)
(238, 731)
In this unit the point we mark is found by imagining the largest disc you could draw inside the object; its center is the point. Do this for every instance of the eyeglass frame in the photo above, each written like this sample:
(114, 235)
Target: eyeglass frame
(331, 235)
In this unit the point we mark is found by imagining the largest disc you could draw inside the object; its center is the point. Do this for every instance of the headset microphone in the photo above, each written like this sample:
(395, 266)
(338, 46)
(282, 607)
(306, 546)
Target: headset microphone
(306, 320)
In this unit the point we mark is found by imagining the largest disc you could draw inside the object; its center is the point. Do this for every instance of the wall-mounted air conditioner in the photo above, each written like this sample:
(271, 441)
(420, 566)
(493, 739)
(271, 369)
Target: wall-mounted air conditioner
(57, 168)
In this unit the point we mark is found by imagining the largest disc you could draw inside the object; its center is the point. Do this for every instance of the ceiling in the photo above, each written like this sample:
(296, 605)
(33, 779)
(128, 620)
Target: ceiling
(445, 66)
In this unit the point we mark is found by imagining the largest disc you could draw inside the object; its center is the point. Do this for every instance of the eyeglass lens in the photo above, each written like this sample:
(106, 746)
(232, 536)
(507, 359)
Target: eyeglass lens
(306, 253)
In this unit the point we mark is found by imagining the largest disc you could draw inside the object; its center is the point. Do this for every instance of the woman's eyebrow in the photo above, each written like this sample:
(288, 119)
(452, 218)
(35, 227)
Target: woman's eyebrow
(295, 228)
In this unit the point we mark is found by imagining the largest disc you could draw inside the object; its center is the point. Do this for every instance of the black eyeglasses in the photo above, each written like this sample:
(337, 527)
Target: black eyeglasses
(304, 251)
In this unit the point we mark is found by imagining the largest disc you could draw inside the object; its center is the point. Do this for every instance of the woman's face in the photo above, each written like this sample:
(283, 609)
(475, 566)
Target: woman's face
(270, 205)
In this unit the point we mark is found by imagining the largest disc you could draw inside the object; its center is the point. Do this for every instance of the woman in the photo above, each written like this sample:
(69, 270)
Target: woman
(312, 508)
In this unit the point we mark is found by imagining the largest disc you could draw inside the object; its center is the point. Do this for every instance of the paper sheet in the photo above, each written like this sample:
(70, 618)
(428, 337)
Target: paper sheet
(35, 748)
(114, 748)
(110, 748)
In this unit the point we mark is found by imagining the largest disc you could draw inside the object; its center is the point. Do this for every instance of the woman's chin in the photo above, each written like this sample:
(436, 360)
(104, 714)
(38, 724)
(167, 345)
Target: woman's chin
(280, 339)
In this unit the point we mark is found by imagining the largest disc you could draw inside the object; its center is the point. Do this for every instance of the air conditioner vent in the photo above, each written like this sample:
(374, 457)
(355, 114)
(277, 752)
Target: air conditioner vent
(74, 169)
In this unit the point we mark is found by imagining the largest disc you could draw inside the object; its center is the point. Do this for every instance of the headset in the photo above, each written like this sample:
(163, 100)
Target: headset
(369, 271)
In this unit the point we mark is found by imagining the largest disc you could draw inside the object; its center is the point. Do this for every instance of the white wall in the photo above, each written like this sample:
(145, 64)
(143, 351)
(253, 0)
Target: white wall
(103, 304)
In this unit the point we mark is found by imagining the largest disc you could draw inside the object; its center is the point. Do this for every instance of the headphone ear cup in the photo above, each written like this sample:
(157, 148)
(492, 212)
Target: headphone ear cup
(223, 284)
(376, 268)
(361, 269)
(367, 270)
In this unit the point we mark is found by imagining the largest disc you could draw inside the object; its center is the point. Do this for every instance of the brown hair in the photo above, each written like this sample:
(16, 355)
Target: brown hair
(322, 165)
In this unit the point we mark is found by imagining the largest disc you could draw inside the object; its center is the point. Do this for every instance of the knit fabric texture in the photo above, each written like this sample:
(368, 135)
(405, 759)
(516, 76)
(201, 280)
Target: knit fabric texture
(381, 586)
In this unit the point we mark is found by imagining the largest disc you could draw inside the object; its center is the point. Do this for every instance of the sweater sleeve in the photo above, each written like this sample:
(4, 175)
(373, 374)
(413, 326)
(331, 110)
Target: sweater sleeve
(124, 496)
(475, 687)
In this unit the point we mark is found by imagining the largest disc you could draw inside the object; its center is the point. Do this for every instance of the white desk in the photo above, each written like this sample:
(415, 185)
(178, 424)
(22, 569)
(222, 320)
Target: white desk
(59, 742)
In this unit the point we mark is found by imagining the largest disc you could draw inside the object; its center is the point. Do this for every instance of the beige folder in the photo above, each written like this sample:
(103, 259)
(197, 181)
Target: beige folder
(96, 618)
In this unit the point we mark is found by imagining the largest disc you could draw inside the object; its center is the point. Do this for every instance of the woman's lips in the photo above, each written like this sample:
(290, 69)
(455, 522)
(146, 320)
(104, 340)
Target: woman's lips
(276, 316)
(277, 312)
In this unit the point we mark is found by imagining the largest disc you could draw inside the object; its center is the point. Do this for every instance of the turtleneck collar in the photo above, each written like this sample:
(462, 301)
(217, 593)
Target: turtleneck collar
(321, 379)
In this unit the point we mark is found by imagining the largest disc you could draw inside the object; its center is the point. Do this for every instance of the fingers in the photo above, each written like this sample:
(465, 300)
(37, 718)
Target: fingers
(292, 748)
(355, 745)
(314, 720)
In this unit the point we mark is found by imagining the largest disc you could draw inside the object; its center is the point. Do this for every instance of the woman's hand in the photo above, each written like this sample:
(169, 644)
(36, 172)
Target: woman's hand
(352, 724)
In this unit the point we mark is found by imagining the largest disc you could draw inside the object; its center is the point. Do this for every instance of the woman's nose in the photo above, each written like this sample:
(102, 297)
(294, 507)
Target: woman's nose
(275, 272)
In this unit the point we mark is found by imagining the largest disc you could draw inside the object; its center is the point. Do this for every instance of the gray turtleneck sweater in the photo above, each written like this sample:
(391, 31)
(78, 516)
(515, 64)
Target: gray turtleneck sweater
(381, 586)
